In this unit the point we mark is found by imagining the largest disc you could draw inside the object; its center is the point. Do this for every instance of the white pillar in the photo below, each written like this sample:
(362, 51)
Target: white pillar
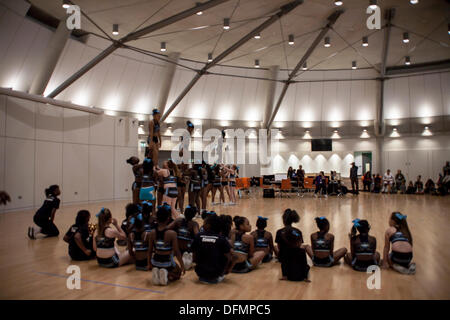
(50, 59)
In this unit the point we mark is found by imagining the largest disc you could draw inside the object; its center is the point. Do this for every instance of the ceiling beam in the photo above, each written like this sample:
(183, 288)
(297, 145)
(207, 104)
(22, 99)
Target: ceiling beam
(420, 67)
(131, 37)
(331, 21)
(54, 102)
(283, 11)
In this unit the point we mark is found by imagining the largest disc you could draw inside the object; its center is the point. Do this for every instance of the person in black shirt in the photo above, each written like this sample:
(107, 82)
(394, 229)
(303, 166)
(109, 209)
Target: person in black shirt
(289, 217)
(354, 178)
(367, 181)
(300, 176)
(294, 262)
(212, 252)
(79, 238)
(45, 216)
(290, 173)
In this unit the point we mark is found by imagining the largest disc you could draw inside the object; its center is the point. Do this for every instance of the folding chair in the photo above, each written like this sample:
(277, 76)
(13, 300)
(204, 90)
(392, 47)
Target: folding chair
(286, 187)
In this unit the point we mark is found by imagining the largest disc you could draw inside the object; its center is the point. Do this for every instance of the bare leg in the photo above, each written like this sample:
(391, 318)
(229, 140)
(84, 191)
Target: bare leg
(124, 257)
(213, 194)
(338, 254)
(227, 188)
(222, 195)
(309, 251)
(257, 258)
(348, 258)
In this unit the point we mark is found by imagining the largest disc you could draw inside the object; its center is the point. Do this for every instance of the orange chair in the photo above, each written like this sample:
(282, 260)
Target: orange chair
(286, 187)
(243, 186)
(309, 184)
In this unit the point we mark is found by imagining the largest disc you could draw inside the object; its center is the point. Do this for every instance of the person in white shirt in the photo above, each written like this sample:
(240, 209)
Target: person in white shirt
(388, 181)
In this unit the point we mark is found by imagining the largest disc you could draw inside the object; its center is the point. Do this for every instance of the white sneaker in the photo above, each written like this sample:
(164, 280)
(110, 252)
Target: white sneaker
(412, 268)
(163, 277)
(315, 195)
(155, 276)
(400, 268)
(187, 260)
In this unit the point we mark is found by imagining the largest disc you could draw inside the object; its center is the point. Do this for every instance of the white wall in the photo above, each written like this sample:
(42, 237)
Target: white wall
(418, 96)
(415, 156)
(84, 153)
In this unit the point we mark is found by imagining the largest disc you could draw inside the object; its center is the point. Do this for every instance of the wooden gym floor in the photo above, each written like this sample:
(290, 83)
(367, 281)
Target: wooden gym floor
(37, 269)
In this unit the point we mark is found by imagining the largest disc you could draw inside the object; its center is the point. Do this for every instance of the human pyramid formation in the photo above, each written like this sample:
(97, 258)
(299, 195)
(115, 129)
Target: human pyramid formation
(155, 232)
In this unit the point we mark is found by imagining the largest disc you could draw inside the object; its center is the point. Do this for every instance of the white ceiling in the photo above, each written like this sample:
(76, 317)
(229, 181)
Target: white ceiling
(428, 18)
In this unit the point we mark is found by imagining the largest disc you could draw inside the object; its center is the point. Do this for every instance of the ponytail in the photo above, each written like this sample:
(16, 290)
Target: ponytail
(402, 225)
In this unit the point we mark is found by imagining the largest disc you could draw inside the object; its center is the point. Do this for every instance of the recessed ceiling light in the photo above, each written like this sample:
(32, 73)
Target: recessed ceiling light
(354, 65)
(257, 63)
(65, 4)
(407, 60)
(210, 57)
(365, 41)
(226, 23)
(373, 4)
(163, 46)
(257, 36)
(405, 37)
(291, 39)
(115, 30)
(414, 1)
(305, 66)
(200, 12)
(327, 43)
(338, 3)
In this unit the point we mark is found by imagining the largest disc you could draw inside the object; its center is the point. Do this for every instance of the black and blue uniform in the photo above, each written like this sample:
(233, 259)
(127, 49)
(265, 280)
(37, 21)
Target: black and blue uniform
(162, 260)
(320, 244)
(401, 258)
(104, 242)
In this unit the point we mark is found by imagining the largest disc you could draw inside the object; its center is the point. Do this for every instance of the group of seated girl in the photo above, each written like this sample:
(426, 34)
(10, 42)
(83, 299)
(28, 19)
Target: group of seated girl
(216, 248)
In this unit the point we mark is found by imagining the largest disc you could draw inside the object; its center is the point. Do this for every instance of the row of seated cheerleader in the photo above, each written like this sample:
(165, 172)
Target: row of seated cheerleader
(217, 248)
(172, 181)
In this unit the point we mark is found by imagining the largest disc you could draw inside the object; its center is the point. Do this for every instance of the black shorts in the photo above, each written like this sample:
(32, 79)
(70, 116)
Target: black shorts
(401, 258)
(232, 183)
(161, 190)
(195, 187)
(217, 184)
(224, 183)
(171, 192)
(181, 185)
(323, 262)
(112, 262)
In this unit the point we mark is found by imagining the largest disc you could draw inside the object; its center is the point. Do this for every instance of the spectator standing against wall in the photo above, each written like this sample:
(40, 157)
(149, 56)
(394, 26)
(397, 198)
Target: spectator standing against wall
(354, 178)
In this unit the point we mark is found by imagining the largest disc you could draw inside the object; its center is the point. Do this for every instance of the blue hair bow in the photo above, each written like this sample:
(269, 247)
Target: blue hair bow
(147, 203)
(102, 210)
(400, 216)
(188, 206)
(211, 212)
(263, 218)
(139, 216)
(139, 207)
(356, 223)
(321, 218)
(165, 205)
(148, 160)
